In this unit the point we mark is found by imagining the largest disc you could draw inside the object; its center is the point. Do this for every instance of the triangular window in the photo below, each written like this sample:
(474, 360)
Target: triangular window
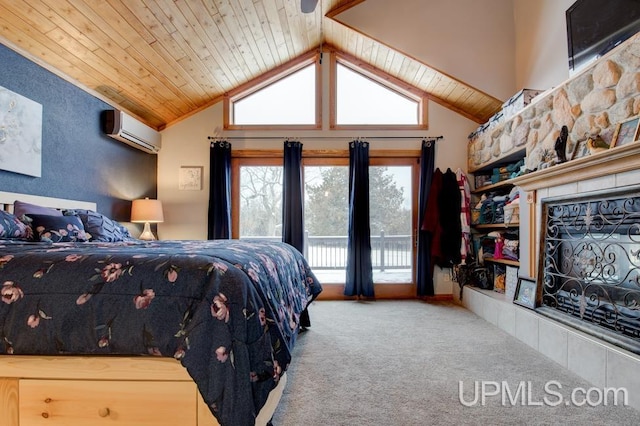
(290, 98)
(361, 100)
(287, 99)
(369, 98)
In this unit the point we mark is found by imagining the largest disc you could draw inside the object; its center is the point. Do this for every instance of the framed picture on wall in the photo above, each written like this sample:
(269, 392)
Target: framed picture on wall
(190, 178)
(526, 292)
(626, 132)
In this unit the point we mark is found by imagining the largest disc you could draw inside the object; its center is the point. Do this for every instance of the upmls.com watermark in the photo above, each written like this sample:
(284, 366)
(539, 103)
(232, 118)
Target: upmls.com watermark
(524, 394)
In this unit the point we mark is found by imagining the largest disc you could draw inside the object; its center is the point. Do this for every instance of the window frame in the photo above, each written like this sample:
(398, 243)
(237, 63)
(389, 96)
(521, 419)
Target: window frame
(267, 79)
(379, 77)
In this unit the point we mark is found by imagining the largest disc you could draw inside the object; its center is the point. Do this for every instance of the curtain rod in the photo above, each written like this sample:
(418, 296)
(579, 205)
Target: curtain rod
(429, 138)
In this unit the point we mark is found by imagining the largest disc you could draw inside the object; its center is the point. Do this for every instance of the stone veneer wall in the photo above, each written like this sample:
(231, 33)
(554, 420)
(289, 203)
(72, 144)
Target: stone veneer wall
(592, 102)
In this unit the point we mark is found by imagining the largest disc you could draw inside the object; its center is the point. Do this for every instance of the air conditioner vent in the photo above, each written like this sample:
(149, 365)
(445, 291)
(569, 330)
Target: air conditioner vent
(127, 129)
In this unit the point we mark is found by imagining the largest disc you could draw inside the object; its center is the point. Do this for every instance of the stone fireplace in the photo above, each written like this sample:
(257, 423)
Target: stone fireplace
(579, 224)
(593, 102)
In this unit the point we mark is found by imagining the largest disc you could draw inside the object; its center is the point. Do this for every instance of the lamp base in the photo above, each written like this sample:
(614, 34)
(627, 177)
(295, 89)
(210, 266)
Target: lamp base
(147, 235)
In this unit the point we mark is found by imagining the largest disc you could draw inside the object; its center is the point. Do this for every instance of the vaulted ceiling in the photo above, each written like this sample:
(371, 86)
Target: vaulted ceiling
(163, 60)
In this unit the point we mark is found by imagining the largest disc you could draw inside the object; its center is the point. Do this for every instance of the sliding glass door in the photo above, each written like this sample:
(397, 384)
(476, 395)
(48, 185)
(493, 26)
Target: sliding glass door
(258, 214)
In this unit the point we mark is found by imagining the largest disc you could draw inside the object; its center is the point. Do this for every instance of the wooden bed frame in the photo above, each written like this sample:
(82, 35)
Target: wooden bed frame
(90, 390)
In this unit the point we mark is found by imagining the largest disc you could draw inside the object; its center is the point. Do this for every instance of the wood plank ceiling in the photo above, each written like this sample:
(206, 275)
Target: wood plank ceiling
(163, 60)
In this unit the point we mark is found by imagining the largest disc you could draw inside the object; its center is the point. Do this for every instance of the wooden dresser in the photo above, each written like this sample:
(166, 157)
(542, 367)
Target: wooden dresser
(69, 391)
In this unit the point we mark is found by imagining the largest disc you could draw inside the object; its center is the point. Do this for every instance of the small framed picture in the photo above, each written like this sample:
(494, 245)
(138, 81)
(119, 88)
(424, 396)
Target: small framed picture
(190, 178)
(581, 149)
(526, 292)
(626, 132)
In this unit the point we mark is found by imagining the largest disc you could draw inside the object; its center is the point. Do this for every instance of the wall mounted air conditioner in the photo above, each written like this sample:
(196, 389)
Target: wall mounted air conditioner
(127, 129)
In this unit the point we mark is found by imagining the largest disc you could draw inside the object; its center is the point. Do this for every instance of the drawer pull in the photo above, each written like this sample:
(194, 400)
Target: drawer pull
(104, 412)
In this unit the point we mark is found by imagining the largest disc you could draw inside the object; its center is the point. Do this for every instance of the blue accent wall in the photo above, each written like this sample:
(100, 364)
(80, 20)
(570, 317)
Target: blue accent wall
(78, 161)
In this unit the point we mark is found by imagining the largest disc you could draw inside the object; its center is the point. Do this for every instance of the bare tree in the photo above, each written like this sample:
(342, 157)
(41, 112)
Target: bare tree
(327, 209)
(261, 198)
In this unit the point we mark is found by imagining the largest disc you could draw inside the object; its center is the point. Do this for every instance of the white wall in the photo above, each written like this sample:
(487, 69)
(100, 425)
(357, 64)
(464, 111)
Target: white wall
(497, 46)
(186, 144)
(541, 43)
(470, 40)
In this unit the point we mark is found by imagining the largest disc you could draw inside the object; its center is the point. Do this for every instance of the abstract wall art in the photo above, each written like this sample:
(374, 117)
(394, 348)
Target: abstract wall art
(20, 134)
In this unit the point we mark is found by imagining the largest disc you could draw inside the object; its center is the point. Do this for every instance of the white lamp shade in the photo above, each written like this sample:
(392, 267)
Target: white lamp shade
(146, 211)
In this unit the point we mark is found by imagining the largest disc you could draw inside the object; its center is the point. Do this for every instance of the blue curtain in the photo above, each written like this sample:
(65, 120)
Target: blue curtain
(220, 191)
(359, 281)
(292, 206)
(424, 279)
(292, 213)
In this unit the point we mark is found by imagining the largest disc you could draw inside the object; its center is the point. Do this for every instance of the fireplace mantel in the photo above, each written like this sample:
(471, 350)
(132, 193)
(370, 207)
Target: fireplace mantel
(612, 161)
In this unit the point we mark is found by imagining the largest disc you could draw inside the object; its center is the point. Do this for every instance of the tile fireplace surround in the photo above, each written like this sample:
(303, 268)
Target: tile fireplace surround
(598, 361)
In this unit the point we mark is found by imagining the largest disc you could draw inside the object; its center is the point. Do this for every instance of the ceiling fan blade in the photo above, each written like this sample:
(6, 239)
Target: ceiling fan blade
(308, 6)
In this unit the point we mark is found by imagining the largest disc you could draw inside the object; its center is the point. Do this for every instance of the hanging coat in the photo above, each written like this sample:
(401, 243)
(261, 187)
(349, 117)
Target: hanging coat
(449, 206)
(431, 218)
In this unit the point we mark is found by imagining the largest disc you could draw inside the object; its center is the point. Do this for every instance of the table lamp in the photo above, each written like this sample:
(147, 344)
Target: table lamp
(146, 211)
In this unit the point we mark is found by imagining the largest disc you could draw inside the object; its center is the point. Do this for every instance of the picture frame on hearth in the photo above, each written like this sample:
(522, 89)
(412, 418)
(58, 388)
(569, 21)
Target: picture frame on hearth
(526, 292)
(626, 132)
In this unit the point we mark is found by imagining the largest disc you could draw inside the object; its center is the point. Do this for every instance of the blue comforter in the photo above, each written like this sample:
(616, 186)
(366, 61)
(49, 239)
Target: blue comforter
(228, 310)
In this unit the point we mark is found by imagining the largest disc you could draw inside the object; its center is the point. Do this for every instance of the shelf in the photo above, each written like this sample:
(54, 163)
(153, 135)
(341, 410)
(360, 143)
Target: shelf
(503, 261)
(496, 225)
(511, 157)
(497, 185)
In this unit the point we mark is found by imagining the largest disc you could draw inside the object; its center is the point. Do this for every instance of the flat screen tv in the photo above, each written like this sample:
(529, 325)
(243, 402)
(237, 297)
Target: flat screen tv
(596, 26)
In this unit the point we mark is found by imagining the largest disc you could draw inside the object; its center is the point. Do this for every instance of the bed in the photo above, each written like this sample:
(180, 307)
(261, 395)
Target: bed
(133, 332)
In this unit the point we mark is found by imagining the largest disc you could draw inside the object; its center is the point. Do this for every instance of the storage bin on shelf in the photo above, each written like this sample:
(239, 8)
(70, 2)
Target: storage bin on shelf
(482, 180)
(518, 101)
(496, 120)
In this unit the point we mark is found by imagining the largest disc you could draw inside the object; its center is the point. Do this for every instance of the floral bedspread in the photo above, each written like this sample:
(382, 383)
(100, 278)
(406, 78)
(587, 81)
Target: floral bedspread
(228, 310)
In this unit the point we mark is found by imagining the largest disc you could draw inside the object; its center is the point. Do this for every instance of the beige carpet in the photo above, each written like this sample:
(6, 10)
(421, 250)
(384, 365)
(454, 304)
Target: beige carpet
(401, 363)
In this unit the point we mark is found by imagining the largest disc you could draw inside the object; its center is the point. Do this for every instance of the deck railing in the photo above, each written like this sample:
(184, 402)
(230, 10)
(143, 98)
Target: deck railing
(388, 252)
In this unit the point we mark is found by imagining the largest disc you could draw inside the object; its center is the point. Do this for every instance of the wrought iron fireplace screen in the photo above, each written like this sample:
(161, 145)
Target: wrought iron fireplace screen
(590, 259)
